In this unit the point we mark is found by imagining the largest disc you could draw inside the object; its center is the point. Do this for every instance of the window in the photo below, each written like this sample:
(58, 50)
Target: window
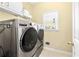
(50, 20)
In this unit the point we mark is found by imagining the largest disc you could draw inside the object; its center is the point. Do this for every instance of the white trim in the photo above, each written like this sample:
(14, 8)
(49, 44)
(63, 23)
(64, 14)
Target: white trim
(73, 17)
(59, 51)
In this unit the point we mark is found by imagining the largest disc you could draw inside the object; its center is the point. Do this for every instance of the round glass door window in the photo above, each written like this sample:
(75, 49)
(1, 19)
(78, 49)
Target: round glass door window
(28, 40)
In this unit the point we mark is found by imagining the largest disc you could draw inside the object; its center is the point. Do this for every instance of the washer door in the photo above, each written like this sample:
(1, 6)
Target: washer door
(28, 39)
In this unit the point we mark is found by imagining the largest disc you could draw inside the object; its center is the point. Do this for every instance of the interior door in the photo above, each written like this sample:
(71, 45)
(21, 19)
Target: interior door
(75, 23)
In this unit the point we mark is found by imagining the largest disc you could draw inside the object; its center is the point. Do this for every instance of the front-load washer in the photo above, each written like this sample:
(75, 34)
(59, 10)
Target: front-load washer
(40, 31)
(24, 40)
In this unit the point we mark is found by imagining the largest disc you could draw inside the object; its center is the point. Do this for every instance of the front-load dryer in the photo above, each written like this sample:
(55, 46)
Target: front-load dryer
(24, 40)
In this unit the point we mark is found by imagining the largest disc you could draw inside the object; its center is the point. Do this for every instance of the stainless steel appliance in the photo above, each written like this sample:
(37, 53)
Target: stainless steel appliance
(18, 38)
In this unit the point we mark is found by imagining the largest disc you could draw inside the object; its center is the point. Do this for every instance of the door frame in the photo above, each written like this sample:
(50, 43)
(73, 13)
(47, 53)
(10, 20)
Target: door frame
(75, 10)
(73, 21)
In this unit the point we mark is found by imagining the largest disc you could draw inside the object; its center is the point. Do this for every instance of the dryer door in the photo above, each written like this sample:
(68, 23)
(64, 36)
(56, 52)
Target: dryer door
(28, 39)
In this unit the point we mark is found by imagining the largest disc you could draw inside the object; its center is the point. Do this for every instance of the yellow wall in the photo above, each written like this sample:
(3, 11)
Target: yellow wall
(58, 39)
(28, 7)
(5, 16)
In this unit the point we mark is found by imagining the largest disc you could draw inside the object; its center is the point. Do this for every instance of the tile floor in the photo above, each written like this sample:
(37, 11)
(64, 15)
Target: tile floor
(49, 53)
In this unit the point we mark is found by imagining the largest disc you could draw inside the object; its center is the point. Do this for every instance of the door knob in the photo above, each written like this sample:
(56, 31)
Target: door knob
(70, 43)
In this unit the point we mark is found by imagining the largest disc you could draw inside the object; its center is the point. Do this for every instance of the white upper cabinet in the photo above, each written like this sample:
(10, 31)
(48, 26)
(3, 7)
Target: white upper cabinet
(15, 7)
(4, 4)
